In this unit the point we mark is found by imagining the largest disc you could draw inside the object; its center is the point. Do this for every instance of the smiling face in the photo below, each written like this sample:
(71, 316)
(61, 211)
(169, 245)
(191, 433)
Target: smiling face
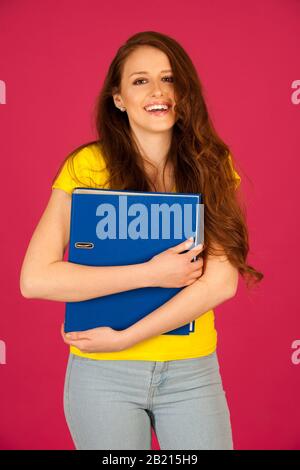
(153, 84)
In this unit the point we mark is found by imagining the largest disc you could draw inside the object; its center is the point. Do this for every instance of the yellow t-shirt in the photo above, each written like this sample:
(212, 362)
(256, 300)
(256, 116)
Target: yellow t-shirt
(164, 347)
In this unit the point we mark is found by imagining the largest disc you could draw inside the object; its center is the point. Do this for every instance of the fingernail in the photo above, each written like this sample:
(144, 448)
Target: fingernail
(69, 335)
(198, 246)
(191, 238)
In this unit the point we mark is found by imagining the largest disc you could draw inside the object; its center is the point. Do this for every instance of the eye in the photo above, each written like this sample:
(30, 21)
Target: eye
(139, 80)
(171, 76)
(142, 79)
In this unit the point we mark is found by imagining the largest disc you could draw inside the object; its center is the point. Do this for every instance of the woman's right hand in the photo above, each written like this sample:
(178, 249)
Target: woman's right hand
(171, 268)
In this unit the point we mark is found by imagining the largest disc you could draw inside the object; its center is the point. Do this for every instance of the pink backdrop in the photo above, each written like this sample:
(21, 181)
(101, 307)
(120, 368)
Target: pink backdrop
(54, 57)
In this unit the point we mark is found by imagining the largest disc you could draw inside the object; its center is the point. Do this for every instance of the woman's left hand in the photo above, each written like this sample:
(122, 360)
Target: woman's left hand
(102, 339)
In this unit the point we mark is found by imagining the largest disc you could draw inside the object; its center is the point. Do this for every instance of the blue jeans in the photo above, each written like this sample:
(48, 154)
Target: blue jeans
(112, 404)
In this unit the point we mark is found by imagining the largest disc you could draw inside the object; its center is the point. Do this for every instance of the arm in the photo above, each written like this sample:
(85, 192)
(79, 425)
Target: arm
(218, 284)
(44, 274)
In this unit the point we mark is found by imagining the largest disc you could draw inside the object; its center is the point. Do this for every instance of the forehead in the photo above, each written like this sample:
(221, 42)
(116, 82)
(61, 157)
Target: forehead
(146, 59)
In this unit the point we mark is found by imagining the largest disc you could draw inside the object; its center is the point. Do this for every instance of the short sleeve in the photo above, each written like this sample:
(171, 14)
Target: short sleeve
(78, 164)
(235, 173)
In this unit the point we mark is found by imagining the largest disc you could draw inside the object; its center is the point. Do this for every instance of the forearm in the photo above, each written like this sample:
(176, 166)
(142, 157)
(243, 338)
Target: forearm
(70, 282)
(189, 304)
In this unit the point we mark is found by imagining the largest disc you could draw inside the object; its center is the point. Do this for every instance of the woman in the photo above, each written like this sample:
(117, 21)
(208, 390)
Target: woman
(119, 383)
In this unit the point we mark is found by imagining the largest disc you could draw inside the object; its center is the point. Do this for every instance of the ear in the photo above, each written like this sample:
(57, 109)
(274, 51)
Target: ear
(117, 100)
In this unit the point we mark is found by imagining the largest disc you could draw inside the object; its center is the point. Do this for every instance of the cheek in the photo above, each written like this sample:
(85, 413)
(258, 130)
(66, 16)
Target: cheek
(135, 98)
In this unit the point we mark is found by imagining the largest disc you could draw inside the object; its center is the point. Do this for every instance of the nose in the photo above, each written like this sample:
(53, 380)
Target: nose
(158, 94)
(157, 88)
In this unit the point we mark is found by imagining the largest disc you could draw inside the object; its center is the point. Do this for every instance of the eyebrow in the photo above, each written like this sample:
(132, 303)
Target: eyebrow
(137, 73)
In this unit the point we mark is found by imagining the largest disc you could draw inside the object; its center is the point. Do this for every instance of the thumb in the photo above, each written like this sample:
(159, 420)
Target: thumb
(185, 245)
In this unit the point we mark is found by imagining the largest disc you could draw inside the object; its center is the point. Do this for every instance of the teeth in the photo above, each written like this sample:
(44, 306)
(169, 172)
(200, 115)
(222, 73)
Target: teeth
(156, 106)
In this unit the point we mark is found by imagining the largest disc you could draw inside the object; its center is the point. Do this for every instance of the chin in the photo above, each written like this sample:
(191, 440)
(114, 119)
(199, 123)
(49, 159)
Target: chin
(160, 128)
(163, 124)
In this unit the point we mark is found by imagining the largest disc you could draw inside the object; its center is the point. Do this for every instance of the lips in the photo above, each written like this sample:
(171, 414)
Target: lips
(158, 113)
(165, 103)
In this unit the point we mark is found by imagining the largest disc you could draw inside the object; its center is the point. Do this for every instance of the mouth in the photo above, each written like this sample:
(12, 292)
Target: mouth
(159, 112)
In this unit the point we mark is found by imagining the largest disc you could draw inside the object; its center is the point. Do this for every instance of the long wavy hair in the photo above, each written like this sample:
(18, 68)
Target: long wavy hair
(199, 157)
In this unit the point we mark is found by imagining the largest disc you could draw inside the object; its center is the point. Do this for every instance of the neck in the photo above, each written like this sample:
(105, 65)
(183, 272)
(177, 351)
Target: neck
(154, 148)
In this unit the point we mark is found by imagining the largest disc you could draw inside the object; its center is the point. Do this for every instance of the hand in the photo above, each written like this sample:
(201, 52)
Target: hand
(102, 339)
(171, 268)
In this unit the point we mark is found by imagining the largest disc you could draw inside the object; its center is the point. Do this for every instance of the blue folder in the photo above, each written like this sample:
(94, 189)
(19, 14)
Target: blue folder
(104, 231)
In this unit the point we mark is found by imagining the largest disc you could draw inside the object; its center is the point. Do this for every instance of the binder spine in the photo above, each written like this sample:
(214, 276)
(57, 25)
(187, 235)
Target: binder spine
(200, 224)
(199, 239)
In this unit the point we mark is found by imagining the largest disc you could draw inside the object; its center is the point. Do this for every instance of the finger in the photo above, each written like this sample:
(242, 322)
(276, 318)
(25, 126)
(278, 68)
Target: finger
(66, 341)
(199, 267)
(198, 264)
(190, 282)
(62, 331)
(82, 345)
(196, 274)
(185, 245)
(194, 251)
(79, 343)
(76, 335)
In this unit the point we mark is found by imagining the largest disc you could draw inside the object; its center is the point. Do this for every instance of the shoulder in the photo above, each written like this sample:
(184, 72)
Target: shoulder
(88, 155)
(84, 166)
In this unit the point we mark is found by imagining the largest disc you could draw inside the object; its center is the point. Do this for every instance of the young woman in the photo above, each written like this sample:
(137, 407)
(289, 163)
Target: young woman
(119, 383)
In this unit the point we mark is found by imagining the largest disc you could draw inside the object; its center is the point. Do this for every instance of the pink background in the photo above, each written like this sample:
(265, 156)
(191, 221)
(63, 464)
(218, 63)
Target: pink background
(54, 57)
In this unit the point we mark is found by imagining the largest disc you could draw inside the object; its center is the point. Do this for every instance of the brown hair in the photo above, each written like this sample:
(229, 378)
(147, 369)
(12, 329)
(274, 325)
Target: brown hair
(198, 155)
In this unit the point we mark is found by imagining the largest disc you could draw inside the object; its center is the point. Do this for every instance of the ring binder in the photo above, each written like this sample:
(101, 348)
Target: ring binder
(122, 309)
